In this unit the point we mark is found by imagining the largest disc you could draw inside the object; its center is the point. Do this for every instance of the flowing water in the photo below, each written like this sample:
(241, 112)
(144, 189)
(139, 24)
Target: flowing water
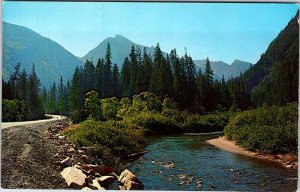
(189, 163)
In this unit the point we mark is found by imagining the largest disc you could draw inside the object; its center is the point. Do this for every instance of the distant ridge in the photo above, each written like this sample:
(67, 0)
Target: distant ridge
(24, 46)
(221, 68)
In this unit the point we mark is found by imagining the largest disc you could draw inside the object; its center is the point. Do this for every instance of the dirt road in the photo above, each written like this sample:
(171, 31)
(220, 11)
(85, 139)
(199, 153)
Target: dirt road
(27, 160)
(53, 118)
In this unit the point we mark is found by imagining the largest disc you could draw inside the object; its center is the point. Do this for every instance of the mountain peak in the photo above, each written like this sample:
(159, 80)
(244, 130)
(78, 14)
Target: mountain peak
(118, 36)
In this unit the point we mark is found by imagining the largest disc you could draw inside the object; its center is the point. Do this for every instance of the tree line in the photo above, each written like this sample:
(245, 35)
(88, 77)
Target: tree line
(165, 75)
(171, 76)
(20, 94)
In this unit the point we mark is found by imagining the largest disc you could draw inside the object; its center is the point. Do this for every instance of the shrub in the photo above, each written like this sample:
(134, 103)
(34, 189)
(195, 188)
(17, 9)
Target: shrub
(15, 110)
(268, 129)
(154, 123)
(110, 107)
(205, 123)
(112, 140)
(93, 105)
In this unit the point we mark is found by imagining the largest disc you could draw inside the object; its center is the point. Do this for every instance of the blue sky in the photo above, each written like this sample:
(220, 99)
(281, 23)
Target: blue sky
(220, 31)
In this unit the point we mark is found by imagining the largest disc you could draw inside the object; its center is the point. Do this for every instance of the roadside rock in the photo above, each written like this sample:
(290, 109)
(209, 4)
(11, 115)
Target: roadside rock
(74, 177)
(129, 181)
(105, 180)
(66, 162)
(131, 185)
(96, 184)
(86, 188)
(101, 169)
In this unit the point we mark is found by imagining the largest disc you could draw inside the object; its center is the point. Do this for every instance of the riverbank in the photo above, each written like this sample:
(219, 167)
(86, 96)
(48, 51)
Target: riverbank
(287, 160)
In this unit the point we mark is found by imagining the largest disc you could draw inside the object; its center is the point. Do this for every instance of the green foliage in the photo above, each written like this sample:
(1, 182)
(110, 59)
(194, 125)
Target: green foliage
(15, 110)
(145, 101)
(169, 103)
(110, 107)
(93, 105)
(205, 123)
(268, 129)
(112, 140)
(23, 97)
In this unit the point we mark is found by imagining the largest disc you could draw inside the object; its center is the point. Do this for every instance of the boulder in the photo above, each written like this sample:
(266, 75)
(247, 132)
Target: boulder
(105, 180)
(128, 181)
(131, 185)
(74, 177)
(96, 184)
(86, 188)
(101, 169)
(127, 175)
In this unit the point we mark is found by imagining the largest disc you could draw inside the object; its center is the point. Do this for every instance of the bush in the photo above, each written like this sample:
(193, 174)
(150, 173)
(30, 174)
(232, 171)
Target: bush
(205, 123)
(15, 110)
(267, 129)
(154, 123)
(112, 140)
(110, 107)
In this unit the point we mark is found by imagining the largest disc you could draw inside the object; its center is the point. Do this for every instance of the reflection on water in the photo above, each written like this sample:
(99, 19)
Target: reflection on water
(189, 163)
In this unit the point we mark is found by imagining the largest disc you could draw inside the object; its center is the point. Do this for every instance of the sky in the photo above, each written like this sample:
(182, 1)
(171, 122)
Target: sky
(219, 31)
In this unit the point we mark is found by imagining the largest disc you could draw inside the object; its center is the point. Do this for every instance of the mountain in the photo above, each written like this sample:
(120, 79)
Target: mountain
(221, 68)
(24, 46)
(120, 48)
(274, 78)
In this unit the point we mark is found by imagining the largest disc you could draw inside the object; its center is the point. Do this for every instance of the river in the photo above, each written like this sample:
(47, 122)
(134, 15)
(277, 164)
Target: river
(187, 162)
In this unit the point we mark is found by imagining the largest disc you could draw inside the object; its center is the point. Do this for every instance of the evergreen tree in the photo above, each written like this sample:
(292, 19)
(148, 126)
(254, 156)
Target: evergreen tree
(146, 71)
(89, 73)
(116, 81)
(125, 78)
(156, 83)
(133, 86)
(74, 98)
(107, 80)
(23, 86)
(35, 104)
(99, 77)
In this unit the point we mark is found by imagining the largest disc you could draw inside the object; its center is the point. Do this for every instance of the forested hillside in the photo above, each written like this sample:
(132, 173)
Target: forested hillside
(274, 79)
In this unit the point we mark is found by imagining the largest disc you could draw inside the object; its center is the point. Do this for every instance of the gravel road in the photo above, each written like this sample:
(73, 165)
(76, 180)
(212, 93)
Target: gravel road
(27, 160)
(53, 118)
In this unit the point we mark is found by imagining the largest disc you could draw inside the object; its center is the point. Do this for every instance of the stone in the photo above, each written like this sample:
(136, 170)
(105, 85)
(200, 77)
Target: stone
(76, 160)
(71, 150)
(96, 184)
(131, 185)
(101, 169)
(129, 181)
(105, 180)
(74, 177)
(61, 137)
(66, 162)
(85, 158)
(288, 166)
(86, 188)
(127, 175)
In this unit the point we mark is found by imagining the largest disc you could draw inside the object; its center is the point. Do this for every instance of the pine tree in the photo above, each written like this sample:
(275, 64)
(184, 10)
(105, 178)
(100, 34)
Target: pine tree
(99, 77)
(23, 86)
(125, 78)
(74, 98)
(89, 73)
(146, 71)
(35, 104)
(156, 83)
(107, 80)
(116, 81)
(133, 86)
